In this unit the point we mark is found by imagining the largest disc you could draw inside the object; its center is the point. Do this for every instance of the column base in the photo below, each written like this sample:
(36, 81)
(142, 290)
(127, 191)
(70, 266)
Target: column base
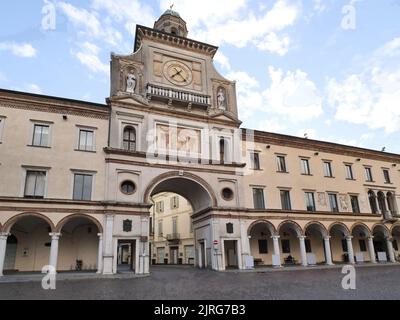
(108, 265)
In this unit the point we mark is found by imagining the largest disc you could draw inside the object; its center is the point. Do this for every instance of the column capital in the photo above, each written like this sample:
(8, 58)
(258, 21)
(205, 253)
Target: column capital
(100, 235)
(371, 238)
(390, 239)
(327, 238)
(4, 235)
(349, 238)
(302, 238)
(55, 236)
(275, 237)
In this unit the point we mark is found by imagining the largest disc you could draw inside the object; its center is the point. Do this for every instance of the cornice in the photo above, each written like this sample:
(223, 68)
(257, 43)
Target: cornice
(321, 146)
(143, 32)
(26, 101)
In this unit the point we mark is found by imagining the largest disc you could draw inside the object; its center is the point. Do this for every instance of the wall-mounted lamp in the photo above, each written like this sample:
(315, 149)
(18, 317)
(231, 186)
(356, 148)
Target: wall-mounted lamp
(65, 117)
(316, 154)
(268, 147)
(394, 165)
(358, 160)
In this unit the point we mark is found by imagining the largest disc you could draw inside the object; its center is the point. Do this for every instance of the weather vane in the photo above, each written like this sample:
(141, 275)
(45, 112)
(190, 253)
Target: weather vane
(172, 6)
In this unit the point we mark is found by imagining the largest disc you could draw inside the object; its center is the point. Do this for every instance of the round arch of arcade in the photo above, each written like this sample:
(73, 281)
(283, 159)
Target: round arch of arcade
(321, 243)
(186, 185)
(32, 240)
(13, 220)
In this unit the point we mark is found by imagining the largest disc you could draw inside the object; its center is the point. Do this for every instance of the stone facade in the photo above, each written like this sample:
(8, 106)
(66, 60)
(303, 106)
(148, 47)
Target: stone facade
(78, 178)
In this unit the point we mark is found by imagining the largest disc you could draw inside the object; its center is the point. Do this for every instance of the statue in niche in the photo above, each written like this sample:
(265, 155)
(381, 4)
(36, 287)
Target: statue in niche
(221, 99)
(130, 82)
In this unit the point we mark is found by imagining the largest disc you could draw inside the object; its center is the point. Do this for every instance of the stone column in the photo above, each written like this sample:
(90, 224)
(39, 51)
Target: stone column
(371, 249)
(328, 253)
(245, 242)
(350, 250)
(390, 250)
(144, 259)
(277, 251)
(3, 246)
(55, 237)
(100, 254)
(303, 251)
(108, 257)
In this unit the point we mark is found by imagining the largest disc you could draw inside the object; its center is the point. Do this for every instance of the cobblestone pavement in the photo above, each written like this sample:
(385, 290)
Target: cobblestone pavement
(184, 283)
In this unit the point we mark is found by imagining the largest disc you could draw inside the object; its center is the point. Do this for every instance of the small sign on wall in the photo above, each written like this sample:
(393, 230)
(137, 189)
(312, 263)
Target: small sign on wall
(127, 225)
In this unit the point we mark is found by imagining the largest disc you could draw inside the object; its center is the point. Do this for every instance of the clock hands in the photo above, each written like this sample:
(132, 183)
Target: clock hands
(179, 73)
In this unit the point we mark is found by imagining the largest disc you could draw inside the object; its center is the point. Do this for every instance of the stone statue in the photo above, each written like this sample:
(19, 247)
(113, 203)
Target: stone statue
(130, 83)
(221, 99)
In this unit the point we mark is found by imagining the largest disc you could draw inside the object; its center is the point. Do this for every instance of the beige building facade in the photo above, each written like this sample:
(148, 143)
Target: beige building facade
(78, 179)
(171, 234)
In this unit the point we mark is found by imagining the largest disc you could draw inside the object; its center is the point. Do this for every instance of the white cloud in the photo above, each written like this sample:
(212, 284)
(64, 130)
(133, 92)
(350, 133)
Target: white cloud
(24, 50)
(249, 96)
(34, 88)
(88, 56)
(222, 60)
(271, 125)
(274, 44)
(89, 25)
(372, 96)
(224, 21)
(293, 95)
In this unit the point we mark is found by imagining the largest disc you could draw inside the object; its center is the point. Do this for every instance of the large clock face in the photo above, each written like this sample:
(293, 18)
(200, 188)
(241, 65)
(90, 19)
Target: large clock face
(178, 73)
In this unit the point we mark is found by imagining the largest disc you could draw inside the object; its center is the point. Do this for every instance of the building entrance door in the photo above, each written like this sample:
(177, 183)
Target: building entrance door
(161, 255)
(126, 255)
(174, 255)
(231, 258)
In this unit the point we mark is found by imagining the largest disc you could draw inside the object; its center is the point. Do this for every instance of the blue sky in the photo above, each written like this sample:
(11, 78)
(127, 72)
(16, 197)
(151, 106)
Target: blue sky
(328, 68)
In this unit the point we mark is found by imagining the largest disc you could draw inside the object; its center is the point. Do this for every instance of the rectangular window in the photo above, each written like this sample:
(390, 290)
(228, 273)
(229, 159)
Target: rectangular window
(285, 246)
(308, 245)
(255, 161)
(83, 187)
(328, 169)
(86, 140)
(281, 162)
(175, 225)
(258, 197)
(363, 246)
(368, 174)
(160, 206)
(386, 175)
(349, 172)
(310, 202)
(175, 202)
(285, 200)
(305, 167)
(35, 184)
(41, 134)
(333, 202)
(160, 228)
(355, 204)
(263, 246)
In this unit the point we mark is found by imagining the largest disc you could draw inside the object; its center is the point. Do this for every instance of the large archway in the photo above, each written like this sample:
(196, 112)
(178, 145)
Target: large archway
(318, 246)
(196, 190)
(363, 244)
(293, 244)
(79, 244)
(383, 244)
(341, 244)
(263, 247)
(28, 243)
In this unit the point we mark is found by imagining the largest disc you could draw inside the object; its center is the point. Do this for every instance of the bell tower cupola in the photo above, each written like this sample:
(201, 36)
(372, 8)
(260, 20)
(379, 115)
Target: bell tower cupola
(171, 22)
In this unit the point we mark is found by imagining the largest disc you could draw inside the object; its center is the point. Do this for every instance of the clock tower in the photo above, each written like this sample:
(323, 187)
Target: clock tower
(174, 128)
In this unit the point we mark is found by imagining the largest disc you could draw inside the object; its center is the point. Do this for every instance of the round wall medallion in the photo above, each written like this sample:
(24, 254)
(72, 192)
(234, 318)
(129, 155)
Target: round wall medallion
(178, 73)
(128, 187)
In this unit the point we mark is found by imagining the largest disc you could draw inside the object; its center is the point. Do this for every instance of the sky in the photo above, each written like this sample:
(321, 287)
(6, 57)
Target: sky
(325, 69)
